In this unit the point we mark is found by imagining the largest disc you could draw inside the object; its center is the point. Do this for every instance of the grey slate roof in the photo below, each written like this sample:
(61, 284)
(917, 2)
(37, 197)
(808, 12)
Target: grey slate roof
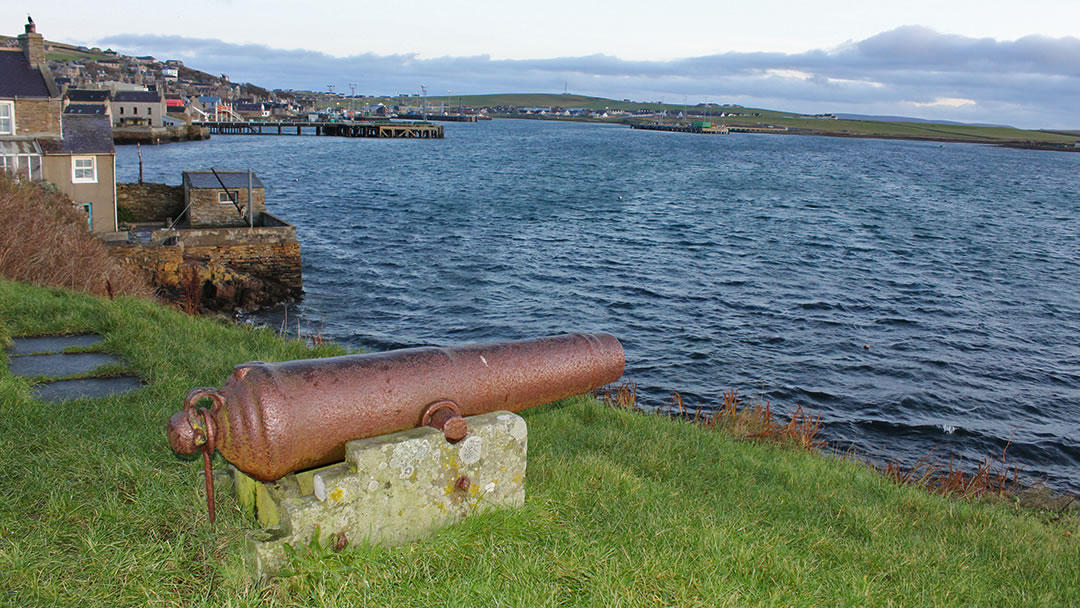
(82, 135)
(18, 79)
(90, 95)
(232, 179)
(137, 96)
(85, 108)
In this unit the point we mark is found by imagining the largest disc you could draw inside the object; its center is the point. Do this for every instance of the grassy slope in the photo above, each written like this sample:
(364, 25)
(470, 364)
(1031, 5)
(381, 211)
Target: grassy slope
(622, 510)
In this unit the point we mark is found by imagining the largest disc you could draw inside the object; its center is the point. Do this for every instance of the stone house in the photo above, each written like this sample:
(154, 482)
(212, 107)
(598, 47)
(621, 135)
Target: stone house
(137, 108)
(83, 165)
(221, 198)
(38, 141)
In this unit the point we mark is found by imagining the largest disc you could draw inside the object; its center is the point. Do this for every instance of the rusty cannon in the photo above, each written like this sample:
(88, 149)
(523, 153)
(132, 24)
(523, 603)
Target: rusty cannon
(272, 419)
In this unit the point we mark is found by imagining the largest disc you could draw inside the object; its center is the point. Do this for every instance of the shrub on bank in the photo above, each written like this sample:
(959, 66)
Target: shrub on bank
(44, 241)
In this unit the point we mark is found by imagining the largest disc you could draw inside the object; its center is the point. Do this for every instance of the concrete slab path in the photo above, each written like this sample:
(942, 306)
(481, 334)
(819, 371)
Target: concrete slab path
(44, 356)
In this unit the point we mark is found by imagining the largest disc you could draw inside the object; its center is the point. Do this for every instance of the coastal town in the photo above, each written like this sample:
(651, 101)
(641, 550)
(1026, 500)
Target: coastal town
(149, 92)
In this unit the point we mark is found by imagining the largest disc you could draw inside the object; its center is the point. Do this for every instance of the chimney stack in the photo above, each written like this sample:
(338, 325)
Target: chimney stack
(33, 45)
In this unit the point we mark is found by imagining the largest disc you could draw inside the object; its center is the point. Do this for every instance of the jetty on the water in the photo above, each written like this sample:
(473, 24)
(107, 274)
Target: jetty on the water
(697, 127)
(379, 129)
(440, 117)
(707, 128)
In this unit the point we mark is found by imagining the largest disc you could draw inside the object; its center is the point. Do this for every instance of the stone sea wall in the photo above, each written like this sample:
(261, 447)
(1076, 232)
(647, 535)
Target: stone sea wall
(228, 277)
(159, 135)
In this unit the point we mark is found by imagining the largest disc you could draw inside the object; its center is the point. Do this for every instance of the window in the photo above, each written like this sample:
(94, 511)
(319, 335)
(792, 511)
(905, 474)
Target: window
(21, 158)
(148, 111)
(134, 109)
(7, 118)
(121, 110)
(227, 198)
(83, 170)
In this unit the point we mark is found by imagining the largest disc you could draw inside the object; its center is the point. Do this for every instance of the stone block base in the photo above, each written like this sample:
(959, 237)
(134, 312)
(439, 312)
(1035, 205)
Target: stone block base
(390, 490)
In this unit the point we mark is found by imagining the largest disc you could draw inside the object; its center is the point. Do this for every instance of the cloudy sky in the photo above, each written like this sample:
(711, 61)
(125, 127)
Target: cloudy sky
(992, 61)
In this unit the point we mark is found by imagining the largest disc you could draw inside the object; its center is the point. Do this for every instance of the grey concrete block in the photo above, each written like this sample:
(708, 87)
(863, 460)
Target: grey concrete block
(52, 344)
(390, 490)
(59, 365)
(64, 390)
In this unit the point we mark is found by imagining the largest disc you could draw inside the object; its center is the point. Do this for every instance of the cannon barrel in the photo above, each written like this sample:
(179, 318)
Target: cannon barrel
(272, 419)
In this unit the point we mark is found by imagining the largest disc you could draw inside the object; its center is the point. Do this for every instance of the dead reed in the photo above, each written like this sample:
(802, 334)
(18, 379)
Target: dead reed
(44, 241)
(190, 289)
(754, 420)
(992, 477)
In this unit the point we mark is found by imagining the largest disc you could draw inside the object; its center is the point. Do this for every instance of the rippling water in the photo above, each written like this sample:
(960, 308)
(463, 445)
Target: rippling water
(919, 295)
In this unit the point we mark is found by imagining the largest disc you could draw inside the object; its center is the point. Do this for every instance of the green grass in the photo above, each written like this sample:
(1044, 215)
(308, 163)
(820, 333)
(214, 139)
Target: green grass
(623, 509)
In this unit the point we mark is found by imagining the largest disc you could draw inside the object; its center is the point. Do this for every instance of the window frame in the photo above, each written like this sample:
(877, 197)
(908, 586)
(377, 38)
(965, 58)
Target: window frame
(75, 168)
(232, 198)
(10, 117)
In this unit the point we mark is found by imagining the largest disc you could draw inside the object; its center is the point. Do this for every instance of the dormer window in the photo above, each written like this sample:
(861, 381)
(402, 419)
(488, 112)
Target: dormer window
(7, 117)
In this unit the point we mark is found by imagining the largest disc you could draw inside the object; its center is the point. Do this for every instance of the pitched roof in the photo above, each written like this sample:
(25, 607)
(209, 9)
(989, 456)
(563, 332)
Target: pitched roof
(137, 96)
(83, 134)
(18, 79)
(232, 179)
(92, 95)
(85, 108)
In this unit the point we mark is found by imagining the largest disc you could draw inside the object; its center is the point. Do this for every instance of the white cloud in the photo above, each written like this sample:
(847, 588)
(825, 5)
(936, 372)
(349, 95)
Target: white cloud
(947, 102)
(1029, 82)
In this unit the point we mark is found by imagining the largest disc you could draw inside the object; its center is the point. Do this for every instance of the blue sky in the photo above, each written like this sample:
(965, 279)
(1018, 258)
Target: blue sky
(977, 61)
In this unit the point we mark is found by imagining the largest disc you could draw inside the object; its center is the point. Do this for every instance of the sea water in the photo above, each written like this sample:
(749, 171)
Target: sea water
(921, 296)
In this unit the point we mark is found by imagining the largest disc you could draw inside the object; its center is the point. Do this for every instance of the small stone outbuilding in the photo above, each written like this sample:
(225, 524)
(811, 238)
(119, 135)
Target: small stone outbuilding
(212, 197)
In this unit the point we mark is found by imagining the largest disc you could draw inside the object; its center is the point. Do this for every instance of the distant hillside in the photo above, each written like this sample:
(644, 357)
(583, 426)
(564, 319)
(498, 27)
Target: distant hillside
(876, 118)
(111, 64)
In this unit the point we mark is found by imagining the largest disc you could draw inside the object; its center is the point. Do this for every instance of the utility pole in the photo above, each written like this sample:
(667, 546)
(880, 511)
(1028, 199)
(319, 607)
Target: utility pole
(352, 98)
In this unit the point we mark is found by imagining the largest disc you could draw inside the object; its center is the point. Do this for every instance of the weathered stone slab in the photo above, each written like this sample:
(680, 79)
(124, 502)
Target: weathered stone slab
(390, 490)
(65, 390)
(59, 365)
(52, 344)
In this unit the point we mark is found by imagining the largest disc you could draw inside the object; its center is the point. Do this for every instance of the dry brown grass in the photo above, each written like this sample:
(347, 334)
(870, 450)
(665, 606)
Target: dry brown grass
(44, 241)
(991, 477)
(190, 289)
(754, 420)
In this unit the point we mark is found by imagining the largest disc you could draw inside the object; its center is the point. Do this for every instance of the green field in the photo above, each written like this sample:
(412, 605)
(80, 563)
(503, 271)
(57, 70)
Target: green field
(796, 122)
(623, 509)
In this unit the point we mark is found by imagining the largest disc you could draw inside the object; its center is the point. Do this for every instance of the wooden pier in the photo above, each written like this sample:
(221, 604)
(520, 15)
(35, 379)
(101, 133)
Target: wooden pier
(440, 117)
(677, 128)
(744, 129)
(377, 129)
